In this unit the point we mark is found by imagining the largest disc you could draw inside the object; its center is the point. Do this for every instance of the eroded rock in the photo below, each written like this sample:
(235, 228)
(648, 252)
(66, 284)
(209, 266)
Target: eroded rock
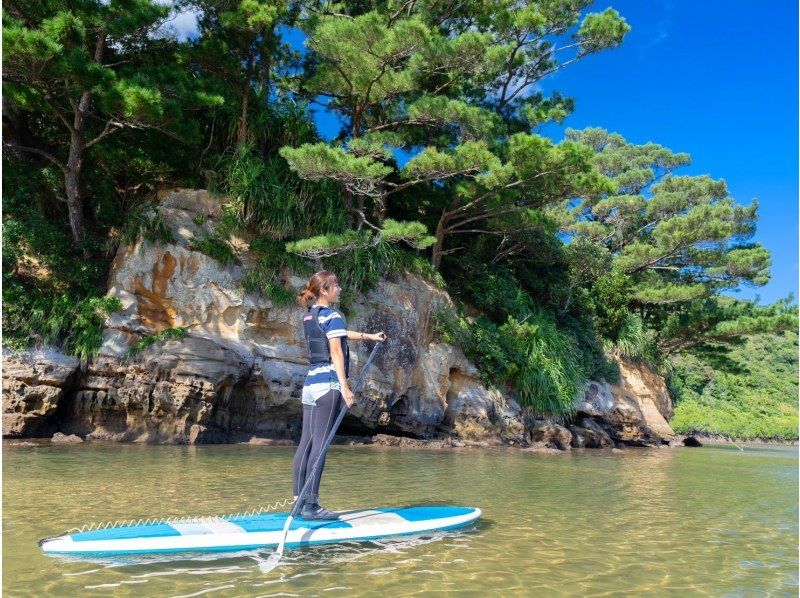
(551, 435)
(34, 383)
(634, 410)
(60, 438)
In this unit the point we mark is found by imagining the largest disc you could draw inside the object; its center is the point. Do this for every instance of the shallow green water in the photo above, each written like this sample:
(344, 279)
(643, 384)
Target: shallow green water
(712, 521)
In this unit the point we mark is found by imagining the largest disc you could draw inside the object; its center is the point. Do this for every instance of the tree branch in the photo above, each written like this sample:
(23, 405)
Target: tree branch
(409, 5)
(37, 151)
(48, 95)
(111, 127)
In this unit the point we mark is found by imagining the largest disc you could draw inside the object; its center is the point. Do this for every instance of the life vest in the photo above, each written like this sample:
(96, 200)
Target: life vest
(317, 343)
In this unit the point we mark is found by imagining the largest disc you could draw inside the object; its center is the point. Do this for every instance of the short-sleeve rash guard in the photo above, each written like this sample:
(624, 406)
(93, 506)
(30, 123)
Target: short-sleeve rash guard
(322, 377)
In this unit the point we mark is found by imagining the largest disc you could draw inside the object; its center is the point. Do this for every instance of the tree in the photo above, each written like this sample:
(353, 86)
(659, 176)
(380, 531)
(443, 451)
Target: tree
(449, 85)
(678, 238)
(241, 52)
(655, 250)
(88, 68)
(715, 321)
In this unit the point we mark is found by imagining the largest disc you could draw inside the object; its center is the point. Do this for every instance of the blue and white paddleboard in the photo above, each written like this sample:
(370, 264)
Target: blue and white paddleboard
(259, 531)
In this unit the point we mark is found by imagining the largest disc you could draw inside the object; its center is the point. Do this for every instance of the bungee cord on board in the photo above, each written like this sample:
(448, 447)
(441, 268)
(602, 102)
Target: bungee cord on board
(168, 520)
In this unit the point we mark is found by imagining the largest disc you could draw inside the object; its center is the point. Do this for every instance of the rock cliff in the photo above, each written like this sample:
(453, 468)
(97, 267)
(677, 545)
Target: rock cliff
(238, 373)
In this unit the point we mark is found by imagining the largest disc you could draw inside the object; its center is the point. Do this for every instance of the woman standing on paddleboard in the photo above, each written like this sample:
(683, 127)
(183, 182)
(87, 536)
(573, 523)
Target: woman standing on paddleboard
(326, 385)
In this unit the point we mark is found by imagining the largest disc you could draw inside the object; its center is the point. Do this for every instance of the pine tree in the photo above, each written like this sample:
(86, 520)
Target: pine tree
(241, 52)
(667, 246)
(677, 237)
(89, 67)
(450, 85)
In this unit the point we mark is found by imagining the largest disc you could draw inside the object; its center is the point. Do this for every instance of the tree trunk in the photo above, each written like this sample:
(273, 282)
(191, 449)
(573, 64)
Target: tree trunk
(242, 136)
(381, 209)
(348, 206)
(267, 49)
(436, 256)
(72, 176)
(441, 229)
(77, 151)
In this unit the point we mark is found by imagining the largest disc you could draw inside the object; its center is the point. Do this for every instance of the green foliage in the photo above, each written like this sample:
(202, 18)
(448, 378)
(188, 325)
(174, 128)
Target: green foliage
(152, 339)
(228, 225)
(745, 391)
(447, 84)
(320, 161)
(519, 291)
(50, 294)
(599, 31)
(497, 292)
(361, 268)
(697, 324)
(146, 222)
(266, 196)
(113, 76)
(37, 250)
(532, 356)
(328, 245)
(321, 246)
(279, 294)
(637, 341)
(274, 261)
(403, 260)
(31, 318)
(365, 57)
(413, 233)
(214, 247)
(610, 296)
(545, 370)
(678, 238)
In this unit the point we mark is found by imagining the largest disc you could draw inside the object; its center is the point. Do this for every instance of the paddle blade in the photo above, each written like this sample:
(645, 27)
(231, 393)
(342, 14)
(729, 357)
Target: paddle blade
(268, 564)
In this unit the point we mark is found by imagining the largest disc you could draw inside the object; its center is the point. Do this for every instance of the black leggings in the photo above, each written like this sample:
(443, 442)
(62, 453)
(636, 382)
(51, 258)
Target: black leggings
(317, 423)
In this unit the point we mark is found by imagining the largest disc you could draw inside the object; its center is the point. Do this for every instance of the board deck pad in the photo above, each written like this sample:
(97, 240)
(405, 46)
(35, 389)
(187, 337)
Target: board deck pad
(250, 532)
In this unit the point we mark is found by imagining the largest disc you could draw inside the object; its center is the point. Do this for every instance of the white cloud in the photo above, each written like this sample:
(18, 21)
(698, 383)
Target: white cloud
(182, 23)
(185, 23)
(660, 31)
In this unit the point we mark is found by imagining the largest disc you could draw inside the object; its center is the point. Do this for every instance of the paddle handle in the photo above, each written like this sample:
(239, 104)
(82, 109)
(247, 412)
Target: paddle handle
(339, 418)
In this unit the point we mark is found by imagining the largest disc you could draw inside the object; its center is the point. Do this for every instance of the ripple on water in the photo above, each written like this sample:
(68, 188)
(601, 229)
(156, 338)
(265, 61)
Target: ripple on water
(704, 522)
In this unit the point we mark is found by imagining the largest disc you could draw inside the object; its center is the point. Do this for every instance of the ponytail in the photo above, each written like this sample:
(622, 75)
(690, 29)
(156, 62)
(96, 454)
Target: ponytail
(320, 280)
(305, 297)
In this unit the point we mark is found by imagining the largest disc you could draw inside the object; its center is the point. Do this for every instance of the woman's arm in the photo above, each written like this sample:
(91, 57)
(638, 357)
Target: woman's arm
(337, 358)
(354, 335)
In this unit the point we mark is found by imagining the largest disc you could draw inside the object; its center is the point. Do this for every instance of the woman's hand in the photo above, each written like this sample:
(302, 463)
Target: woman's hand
(378, 336)
(348, 396)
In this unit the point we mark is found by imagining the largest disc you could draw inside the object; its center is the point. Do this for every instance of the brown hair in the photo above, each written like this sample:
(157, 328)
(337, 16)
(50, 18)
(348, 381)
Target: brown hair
(321, 280)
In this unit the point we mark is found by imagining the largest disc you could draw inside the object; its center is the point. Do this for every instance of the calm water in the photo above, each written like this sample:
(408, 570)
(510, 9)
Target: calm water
(712, 521)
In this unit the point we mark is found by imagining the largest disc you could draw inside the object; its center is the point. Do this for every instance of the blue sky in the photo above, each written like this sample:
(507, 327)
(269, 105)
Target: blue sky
(717, 79)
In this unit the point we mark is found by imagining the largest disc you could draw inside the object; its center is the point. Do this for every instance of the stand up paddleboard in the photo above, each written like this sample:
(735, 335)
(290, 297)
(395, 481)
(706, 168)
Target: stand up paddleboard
(259, 531)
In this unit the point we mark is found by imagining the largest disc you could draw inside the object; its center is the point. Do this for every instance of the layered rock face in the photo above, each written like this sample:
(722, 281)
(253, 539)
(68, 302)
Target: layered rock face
(634, 411)
(34, 382)
(239, 372)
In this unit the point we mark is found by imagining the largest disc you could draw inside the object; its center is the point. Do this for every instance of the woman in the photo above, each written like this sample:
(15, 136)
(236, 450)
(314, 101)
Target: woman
(326, 383)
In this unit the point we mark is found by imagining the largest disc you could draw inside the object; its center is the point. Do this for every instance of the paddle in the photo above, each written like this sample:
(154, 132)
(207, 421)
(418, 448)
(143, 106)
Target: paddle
(273, 560)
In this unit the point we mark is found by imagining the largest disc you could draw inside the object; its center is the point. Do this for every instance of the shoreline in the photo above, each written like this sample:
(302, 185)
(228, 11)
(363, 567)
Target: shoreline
(385, 441)
(721, 439)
